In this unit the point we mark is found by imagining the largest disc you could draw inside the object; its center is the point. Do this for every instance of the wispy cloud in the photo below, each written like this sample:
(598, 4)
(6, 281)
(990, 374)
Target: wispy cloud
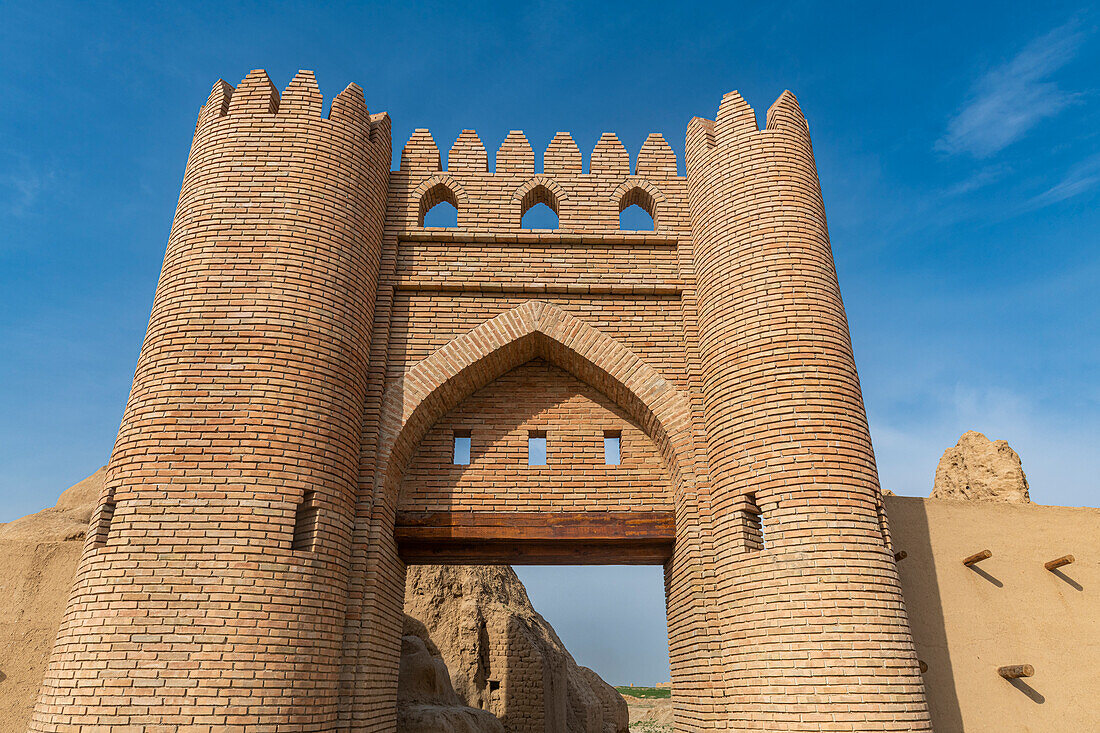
(1078, 179)
(20, 191)
(978, 180)
(1010, 99)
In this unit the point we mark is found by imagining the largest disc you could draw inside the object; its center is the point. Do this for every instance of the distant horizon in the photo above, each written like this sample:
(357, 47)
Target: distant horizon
(958, 147)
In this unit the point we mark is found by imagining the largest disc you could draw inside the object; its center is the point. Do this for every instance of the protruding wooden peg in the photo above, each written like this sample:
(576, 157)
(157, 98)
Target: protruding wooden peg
(923, 665)
(1055, 564)
(977, 557)
(1016, 671)
(901, 555)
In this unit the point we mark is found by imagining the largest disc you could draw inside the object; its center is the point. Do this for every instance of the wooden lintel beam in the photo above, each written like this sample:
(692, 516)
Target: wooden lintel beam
(573, 538)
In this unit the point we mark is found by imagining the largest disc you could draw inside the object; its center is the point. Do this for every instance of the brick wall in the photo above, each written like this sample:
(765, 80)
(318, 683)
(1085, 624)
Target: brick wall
(191, 610)
(499, 418)
(313, 347)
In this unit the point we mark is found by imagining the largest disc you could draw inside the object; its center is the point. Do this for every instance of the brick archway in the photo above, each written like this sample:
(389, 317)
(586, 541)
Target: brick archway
(412, 404)
(273, 482)
(439, 188)
(534, 329)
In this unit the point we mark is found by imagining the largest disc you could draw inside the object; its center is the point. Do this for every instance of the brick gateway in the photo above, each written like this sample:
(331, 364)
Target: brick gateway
(313, 350)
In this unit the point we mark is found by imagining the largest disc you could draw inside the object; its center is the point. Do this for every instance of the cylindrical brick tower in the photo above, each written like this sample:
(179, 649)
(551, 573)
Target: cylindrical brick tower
(814, 635)
(212, 588)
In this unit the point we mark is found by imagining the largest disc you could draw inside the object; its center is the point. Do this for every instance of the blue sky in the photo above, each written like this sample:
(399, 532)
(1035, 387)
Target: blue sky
(958, 146)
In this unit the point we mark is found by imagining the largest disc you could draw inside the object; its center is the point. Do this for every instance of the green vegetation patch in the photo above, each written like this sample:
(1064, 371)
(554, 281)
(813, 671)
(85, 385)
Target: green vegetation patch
(647, 727)
(646, 692)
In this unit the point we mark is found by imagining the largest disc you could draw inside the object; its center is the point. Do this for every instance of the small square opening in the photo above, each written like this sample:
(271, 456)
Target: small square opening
(612, 447)
(462, 444)
(536, 448)
(754, 523)
(101, 525)
(305, 523)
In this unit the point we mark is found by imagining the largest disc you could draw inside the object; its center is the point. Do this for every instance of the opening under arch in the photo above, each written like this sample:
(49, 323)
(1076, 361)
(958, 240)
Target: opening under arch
(438, 194)
(638, 210)
(539, 209)
(539, 216)
(636, 219)
(443, 215)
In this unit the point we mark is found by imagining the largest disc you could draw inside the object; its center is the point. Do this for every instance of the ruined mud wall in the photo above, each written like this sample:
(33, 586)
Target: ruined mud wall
(35, 578)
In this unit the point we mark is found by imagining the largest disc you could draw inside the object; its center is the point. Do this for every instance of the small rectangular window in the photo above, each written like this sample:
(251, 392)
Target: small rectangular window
(883, 523)
(612, 447)
(101, 526)
(305, 524)
(754, 523)
(536, 448)
(462, 448)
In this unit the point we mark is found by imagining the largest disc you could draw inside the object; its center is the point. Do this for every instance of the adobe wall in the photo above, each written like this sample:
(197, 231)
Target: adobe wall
(1005, 610)
(35, 578)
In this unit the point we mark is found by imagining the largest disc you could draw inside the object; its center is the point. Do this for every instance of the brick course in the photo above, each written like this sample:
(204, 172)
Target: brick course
(313, 347)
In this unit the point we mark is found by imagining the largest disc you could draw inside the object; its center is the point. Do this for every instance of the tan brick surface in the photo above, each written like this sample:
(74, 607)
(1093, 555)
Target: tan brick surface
(313, 348)
(813, 629)
(191, 611)
(573, 416)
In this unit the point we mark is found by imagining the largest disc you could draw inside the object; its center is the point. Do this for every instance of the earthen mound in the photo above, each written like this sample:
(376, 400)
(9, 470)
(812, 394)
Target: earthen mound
(40, 554)
(981, 469)
(426, 702)
(504, 657)
(67, 520)
(650, 715)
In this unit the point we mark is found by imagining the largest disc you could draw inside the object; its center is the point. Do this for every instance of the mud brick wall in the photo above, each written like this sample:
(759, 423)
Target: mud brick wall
(526, 700)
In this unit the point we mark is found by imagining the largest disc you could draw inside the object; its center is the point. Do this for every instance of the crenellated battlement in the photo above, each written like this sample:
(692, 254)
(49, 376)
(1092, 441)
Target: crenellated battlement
(583, 196)
(562, 156)
(736, 124)
(256, 95)
(313, 349)
(495, 200)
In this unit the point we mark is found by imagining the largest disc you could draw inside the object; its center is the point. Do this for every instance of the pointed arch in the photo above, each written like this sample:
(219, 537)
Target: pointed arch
(635, 190)
(468, 362)
(539, 190)
(434, 190)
